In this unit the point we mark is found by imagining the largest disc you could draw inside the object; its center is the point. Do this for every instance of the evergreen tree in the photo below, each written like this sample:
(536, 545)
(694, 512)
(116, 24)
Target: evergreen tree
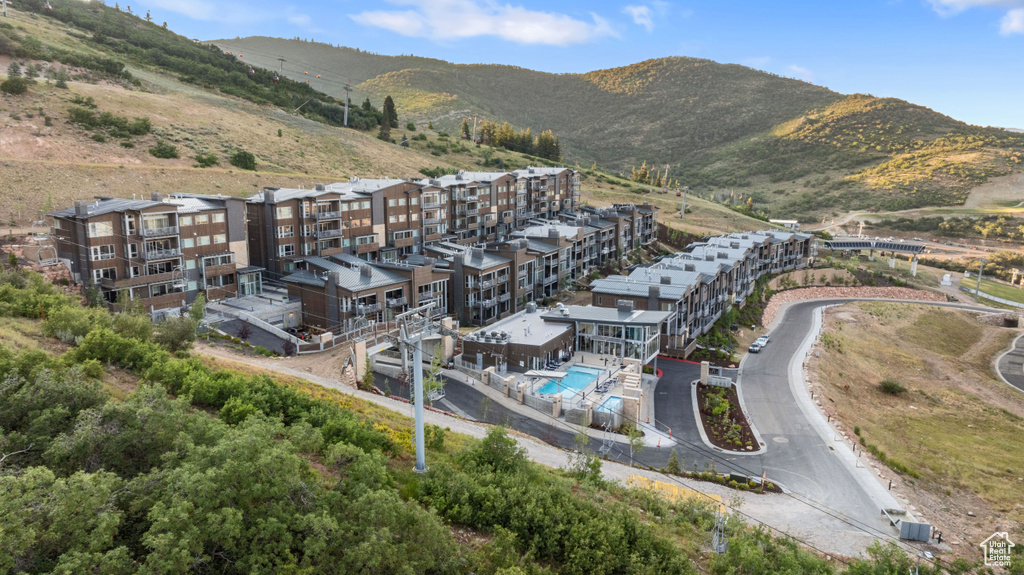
(465, 129)
(430, 125)
(367, 106)
(385, 125)
(673, 463)
(366, 383)
(390, 113)
(148, 17)
(14, 70)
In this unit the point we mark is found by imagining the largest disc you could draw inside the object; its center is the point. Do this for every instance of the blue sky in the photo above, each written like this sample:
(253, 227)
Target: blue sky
(962, 58)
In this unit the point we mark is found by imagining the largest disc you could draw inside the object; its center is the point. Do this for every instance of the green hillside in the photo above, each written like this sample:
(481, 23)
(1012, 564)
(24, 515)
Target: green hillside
(799, 149)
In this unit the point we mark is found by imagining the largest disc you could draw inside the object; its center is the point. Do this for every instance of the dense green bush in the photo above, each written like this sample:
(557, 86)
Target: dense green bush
(14, 86)
(207, 160)
(164, 150)
(243, 160)
(892, 387)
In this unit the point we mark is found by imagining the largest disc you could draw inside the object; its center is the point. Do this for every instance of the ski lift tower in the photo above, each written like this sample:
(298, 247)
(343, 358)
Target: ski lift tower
(413, 326)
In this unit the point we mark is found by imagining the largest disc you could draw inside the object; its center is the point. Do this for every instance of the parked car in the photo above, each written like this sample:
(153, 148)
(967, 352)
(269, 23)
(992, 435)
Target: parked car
(763, 340)
(754, 348)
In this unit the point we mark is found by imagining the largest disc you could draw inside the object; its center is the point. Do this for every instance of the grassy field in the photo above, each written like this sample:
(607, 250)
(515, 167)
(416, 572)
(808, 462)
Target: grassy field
(956, 426)
(994, 288)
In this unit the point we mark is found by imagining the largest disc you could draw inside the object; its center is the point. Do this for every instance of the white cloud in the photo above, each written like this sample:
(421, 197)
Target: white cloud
(801, 72)
(300, 20)
(641, 16)
(1012, 22)
(448, 19)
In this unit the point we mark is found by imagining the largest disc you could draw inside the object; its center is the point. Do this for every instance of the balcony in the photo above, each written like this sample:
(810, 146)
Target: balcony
(165, 301)
(551, 279)
(151, 255)
(157, 232)
(541, 187)
(470, 198)
(367, 308)
(403, 242)
(396, 302)
(327, 233)
(486, 284)
(135, 281)
(432, 221)
(508, 219)
(472, 212)
(327, 215)
(367, 248)
(427, 295)
(213, 271)
(505, 297)
(503, 279)
(431, 205)
(486, 303)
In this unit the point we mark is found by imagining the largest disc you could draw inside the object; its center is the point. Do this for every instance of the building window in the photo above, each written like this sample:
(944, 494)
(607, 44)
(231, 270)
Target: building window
(289, 267)
(218, 218)
(190, 264)
(97, 253)
(203, 241)
(364, 205)
(133, 250)
(188, 243)
(344, 207)
(600, 300)
(202, 219)
(100, 229)
(105, 273)
(284, 212)
(363, 240)
(286, 250)
(285, 231)
(185, 221)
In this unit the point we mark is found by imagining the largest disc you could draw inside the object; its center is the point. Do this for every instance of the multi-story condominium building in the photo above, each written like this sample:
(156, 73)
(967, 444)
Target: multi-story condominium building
(635, 225)
(342, 291)
(373, 219)
(482, 204)
(482, 290)
(161, 251)
(698, 286)
(549, 191)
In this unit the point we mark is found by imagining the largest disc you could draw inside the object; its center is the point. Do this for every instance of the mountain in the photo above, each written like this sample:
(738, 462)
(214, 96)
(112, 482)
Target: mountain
(59, 144)
(797, 148)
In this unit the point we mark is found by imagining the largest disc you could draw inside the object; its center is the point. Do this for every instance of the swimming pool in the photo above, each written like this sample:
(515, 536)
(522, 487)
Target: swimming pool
(576, 379)
(611, 405)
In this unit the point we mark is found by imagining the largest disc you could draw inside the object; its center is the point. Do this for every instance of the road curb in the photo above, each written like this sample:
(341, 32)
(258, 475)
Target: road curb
(999, 358)
(704, 435)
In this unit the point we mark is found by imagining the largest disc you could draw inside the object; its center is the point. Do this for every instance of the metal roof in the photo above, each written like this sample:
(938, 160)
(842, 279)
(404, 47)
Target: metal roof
(194, 205)
(352, 279)
(305, 277)
(108, 205)
(607, 315)
(619, 285)
(885, 245)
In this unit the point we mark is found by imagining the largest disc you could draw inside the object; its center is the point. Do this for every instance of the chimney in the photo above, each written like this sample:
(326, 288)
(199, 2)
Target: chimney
(268, 196)
(319, 187)
(709, 258)
(734, 245)
(689, 267)
(625, 305)
(553, 233)
(723, 256)
(81, 208)
(666, 280)
(365, 271)
(157, 197)
(478, 253)
(653, 292)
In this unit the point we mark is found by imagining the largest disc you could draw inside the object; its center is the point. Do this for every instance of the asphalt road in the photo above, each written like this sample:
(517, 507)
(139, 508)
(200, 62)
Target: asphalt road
(1011, 365)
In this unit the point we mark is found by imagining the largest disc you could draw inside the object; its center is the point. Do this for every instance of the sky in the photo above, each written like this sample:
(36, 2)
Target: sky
(962, 58)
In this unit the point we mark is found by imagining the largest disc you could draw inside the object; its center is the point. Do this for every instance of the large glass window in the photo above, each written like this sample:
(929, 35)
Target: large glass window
(284, 212)
(100, 229)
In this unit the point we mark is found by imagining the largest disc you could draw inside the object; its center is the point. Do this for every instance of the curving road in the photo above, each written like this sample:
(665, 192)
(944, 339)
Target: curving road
(1010, 365)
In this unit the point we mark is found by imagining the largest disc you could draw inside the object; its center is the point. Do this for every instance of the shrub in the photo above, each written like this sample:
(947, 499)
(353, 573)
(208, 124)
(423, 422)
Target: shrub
(244, 331)
(47, 121)
(99, 138)
(892, 387)
(127, 144)
(290, 349)
(177, 333)
(205, 161)
(14, 86)
(164, 150)
(411, 126)
(243, 160)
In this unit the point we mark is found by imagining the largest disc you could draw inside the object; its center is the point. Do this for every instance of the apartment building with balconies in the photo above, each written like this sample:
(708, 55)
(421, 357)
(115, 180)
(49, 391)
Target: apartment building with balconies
(162, 251)
(482, 204)
(548, 191)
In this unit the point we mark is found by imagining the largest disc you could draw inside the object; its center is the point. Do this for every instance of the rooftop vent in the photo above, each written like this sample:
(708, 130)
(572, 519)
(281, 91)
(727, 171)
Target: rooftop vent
(366, 271)
(477, 253)
(81, 208)
(666, 280)
(734, 245)
(689, 267)
(709, 258)
(157, 197)
(531, 307)
(553, 232)
(319, 187)
(624, 305)
(723, 256)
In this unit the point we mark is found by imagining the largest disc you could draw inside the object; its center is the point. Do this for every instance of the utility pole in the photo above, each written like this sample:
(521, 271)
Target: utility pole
(5, 8)
(347, 89)
(474, 129)
(981, 268)
(682, 213)
(282, 60)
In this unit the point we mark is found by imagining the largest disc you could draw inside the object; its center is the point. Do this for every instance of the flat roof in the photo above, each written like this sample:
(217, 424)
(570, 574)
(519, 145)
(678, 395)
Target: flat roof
(607, 315)
(523, 328)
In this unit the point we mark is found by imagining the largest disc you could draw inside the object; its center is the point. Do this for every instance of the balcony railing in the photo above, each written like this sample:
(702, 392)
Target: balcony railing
(396, 302)
(470, 198)
(426, 295)
(485, 303)
(551, 279)
(431, 205)
(367, 308)
(327, 233)
(150, 255)
(502, 279)
(472, 212)
(328, 215)
(154, 232)
(136, 281)
(432, 221)
(486, 284)
(505, 297)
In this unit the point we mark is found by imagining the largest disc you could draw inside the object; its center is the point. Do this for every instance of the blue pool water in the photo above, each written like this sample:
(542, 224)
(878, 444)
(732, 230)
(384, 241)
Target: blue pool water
(611, 405)
(577, 379)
